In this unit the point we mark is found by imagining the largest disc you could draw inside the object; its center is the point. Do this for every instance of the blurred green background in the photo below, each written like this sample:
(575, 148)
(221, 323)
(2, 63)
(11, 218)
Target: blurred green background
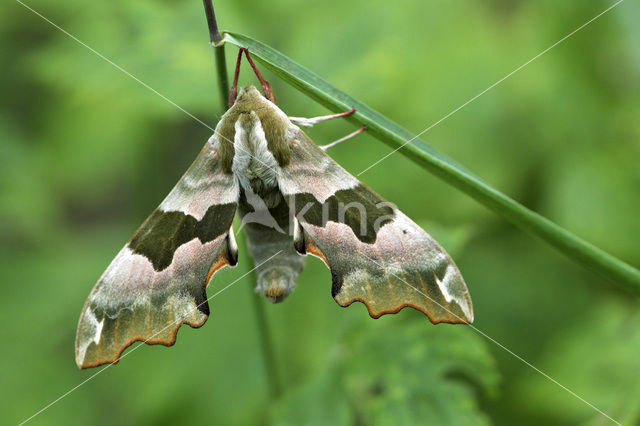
(86, 153)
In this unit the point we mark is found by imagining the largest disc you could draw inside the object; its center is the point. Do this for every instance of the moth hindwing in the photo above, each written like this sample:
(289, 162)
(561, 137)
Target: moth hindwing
(292, 199)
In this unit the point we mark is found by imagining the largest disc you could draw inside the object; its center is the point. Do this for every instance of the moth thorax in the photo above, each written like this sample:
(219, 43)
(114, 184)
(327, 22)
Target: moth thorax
(268, 193)
(253, 162)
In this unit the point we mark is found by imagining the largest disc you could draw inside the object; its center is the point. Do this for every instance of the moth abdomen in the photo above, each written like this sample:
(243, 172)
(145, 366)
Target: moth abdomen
(277, 282)
(271, 245)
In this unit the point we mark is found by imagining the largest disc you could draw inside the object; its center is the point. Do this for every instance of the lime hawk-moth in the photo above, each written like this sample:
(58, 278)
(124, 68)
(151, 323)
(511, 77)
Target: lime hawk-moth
(292, 199)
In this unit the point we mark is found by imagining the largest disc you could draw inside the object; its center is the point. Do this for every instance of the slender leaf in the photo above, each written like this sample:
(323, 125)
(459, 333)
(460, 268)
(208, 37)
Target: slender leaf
(448, 170)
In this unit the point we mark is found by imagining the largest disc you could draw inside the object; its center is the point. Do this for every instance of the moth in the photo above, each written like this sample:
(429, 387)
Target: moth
(293, 200)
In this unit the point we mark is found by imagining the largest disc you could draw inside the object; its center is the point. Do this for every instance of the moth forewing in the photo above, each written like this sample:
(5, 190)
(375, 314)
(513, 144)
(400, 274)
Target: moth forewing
(157, 281)
(376, 254)
(381, 258)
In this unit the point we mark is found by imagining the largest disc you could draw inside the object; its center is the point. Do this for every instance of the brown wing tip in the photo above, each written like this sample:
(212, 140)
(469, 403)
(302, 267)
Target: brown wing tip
(377, 314)
(222, 261)
(82, 365)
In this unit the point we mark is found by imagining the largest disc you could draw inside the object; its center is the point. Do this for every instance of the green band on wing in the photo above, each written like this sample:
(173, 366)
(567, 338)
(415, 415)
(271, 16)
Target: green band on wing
(358, 208)
(163, 232)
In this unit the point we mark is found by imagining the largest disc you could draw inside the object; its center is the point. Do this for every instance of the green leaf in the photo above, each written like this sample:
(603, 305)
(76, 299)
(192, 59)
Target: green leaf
(448, 170)
(397, 374)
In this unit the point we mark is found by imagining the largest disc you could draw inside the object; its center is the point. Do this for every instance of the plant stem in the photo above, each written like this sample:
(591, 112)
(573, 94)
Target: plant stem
(218, 51)
(264, 334)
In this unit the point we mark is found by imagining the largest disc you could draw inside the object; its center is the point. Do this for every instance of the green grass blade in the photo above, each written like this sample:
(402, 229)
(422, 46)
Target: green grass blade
(448, 170)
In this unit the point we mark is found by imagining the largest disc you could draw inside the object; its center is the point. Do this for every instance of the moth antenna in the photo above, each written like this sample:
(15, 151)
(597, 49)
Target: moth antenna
(266, 87)
(234, 89)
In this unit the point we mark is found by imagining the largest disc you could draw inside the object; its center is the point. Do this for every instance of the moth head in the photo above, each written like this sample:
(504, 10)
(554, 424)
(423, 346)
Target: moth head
(276, 283)
(250, 99)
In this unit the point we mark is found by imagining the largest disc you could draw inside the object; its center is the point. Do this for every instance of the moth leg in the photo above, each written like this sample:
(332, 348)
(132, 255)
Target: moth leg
(234, 88)
(349, 136)
(266, 87)
(310, 122)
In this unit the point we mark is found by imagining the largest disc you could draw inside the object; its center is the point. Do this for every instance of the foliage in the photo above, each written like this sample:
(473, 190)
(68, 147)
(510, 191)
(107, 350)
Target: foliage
(420, 375)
